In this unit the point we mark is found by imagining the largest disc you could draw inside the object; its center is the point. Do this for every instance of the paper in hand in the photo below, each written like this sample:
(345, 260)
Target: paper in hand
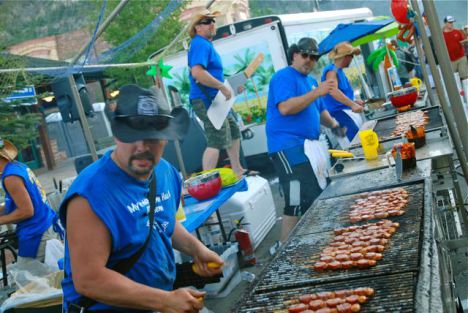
(220, 107)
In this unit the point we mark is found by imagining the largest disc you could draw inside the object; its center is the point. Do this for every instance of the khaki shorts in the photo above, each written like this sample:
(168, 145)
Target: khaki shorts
(49, 234)
(218, 139)
(461, 66)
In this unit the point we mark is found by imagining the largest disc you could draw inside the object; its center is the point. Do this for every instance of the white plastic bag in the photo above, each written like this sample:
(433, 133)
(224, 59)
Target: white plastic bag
(54, 251)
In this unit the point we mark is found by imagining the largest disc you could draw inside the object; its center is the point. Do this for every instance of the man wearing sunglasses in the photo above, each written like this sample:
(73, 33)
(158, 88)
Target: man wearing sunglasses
(295, 111)
(107, 216)
(206, 80)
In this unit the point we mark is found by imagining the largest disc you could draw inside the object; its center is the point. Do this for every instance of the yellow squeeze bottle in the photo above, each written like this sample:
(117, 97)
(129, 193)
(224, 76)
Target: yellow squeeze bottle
(370, 143)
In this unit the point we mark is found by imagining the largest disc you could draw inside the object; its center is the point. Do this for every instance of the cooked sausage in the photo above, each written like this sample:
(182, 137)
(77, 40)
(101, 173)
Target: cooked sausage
(320, 266)
(356, 307)
(344, 308)
(362, 299)
(342, 257)
(364, 291)
(331, 303)
(324, 295)
(355, 256)
(352, 299)
(317, 304)
(363, 263)
(327, 259)
(341, 293)
(335, 265)
(347, 264)
(305, 298)
(300, 307)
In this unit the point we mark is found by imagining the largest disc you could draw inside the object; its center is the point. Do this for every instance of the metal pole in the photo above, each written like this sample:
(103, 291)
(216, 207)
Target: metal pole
(88, 66)
(447, 72)
(440, 91)
(430, 94)
(84, 122)
(102, 28)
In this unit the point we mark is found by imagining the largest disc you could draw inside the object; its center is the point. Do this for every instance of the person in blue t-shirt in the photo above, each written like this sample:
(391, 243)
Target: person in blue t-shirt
(340, 102)
(105, 212)
(294, 113)
(26, 205)
(206, 79)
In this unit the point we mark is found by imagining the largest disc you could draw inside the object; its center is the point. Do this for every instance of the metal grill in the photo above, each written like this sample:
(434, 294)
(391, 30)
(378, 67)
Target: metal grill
(385, 126)
(332, 213)
(393, 293)
(293, 267)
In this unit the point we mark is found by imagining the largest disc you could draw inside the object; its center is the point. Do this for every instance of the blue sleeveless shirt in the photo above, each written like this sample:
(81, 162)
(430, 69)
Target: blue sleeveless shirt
(121, 202)
(343, 85)
(29, 231)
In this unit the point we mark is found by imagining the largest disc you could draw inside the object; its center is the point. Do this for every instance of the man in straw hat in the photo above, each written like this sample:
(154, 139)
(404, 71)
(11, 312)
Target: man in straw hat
(206, 80)
(105, 212)
(340, 102)
(295, 111)
(26, 206)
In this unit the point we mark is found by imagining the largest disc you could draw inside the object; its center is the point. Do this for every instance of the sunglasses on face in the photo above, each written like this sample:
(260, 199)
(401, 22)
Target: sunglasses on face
(207, 21)
(142, 122)
(306, 55)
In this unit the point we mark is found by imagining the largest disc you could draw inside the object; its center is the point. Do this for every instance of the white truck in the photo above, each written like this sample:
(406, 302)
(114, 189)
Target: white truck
(239, 43)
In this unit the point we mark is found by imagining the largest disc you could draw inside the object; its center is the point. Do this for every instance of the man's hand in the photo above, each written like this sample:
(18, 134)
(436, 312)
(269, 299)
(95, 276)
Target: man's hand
(205, 256)
(360, 102)
(226, 92)
(183, 300)
(325, 88)
(356, 108)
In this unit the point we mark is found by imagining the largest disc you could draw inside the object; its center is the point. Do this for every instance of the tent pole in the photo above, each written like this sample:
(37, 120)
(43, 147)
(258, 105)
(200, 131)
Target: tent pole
(430, 94)
(447, 73)
(441, 92)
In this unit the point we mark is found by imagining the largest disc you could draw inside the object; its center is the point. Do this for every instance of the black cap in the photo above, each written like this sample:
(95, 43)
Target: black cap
(308, 45)
(145, 114)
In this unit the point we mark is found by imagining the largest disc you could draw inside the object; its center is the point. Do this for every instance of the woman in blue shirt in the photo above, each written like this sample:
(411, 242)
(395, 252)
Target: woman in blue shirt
(26, 205)
(340, 102)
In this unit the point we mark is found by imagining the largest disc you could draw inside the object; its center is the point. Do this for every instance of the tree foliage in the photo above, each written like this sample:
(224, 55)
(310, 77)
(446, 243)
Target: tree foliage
(17, 123)
(133, 18)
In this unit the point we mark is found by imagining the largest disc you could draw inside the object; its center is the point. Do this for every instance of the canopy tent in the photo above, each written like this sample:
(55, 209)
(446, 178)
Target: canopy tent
(385, 32)
(351, 32)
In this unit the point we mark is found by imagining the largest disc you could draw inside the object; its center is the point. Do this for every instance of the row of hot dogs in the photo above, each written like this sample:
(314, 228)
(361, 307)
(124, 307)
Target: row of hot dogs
(358, 246)
(379, 204)
(340, 301)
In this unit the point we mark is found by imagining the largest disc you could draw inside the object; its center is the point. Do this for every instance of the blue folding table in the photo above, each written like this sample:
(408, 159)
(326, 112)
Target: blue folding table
(197, 212)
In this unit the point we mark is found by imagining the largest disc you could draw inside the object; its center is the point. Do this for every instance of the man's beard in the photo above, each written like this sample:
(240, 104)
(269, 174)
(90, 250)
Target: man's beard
(141, 156)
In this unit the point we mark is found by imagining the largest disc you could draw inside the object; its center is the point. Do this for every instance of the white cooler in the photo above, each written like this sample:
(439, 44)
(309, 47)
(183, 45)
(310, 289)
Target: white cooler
(257, 207)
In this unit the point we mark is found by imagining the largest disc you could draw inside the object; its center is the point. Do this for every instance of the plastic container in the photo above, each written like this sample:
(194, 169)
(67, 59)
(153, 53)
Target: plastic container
(370, 143)
(417, 136)
(228, 253)
(408, 154)
(204, 186)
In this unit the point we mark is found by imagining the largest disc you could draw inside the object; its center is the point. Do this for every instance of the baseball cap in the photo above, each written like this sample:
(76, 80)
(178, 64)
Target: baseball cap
(145, 114)
(449, 19)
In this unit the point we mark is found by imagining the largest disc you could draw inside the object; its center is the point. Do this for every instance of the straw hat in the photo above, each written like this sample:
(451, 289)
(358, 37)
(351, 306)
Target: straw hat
(8, 150)
(343, 49)
(198, 16)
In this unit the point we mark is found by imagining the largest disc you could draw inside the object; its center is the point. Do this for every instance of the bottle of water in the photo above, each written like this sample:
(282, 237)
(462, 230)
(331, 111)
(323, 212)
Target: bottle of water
(248, 276)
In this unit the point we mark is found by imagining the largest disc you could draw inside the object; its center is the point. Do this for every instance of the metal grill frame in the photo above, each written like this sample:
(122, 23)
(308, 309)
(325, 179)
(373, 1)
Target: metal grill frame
(292, 267)
(393, 293)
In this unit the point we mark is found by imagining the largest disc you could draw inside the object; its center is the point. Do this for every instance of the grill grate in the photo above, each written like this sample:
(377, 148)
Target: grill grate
(393, 293)
(332, 213)
(293, 266)
(385, 126)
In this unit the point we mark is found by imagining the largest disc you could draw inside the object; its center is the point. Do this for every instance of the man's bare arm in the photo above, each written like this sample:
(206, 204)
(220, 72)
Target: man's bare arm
(24, 207)
(90, 246)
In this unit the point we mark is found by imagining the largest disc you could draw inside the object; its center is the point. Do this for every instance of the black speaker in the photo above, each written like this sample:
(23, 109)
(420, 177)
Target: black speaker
(65, 102)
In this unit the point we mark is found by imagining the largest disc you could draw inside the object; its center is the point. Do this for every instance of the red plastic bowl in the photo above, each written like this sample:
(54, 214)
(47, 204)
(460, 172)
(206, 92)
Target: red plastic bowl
(204, 186)
(404, 97)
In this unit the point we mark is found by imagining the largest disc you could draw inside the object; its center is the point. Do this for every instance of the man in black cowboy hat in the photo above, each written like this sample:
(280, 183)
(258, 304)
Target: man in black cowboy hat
(108, 211)
(295, 111)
